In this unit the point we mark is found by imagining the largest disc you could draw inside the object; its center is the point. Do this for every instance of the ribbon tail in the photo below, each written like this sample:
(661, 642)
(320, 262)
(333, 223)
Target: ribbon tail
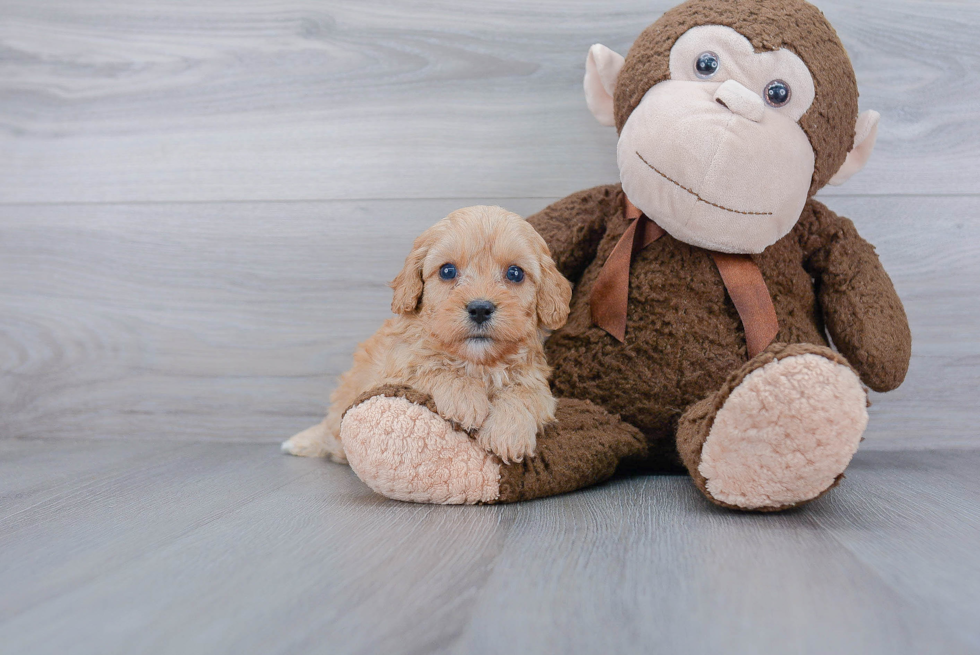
(610, 294)
(748, 291)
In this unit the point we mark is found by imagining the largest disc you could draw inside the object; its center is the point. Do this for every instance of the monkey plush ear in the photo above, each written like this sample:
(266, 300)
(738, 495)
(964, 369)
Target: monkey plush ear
(602, 67)
(866, 133)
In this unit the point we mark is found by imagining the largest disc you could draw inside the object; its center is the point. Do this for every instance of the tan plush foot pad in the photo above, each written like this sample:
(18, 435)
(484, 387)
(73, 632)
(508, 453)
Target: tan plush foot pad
(405, 451)
(785, 433)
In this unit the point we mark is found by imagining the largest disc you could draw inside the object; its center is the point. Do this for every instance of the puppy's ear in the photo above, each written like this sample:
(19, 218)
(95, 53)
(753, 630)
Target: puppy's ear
(408, 284)
(554, 292)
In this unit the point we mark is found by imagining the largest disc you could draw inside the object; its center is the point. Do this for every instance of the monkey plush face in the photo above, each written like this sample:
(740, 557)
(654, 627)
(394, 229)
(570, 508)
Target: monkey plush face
(716, 152)
(731, 115)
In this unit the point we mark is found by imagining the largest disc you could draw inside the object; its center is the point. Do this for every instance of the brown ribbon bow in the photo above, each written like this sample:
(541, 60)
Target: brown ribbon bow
(741, 276)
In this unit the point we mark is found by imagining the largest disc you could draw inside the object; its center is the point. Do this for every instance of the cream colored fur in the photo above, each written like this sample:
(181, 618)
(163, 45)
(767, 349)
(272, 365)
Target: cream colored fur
(491, 379)
(785, 433)
(404, 451)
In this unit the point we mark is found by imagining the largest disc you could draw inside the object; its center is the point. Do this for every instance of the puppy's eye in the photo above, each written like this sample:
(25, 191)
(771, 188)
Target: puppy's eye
(515, 274)
(448, 272)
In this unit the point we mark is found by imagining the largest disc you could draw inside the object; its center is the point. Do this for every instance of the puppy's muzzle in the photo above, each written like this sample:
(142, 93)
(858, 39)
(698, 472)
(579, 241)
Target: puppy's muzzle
(480, 311)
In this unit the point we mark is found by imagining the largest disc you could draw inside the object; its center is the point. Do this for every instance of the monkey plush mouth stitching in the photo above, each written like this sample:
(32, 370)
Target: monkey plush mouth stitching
(696, 195)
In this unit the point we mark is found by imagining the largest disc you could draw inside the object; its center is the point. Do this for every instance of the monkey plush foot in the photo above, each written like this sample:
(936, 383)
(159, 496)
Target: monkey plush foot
(401, 448)
(779, 433)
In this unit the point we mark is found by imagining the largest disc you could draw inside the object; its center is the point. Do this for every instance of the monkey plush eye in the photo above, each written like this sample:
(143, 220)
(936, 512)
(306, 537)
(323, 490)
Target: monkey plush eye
(706, 65)
(515, 274)
(777, 93)
(448, 272)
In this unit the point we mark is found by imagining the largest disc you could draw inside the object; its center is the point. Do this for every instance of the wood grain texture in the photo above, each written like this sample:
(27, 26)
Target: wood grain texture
(232, 548)
(32, 473)
(231, 322)
(295, 99)
(99, 523)
(887, 517)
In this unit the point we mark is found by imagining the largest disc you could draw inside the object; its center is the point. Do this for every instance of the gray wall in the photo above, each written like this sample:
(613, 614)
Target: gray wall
(200, 203)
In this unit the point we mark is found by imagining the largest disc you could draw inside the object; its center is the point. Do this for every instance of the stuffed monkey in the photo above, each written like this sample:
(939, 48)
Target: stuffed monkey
(706, 283)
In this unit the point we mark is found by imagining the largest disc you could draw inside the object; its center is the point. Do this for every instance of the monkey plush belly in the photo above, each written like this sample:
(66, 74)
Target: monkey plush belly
(684, 335)
(682, 340)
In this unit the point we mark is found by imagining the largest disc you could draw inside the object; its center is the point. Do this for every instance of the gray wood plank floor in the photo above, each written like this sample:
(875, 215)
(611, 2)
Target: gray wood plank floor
(200, 206)
(231, 548)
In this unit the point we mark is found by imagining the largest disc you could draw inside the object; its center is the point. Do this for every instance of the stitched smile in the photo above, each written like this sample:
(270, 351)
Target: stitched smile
(696, 195)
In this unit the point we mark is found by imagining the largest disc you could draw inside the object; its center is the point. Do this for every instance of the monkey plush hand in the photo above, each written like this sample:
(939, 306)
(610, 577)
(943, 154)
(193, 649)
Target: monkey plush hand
(708, 284)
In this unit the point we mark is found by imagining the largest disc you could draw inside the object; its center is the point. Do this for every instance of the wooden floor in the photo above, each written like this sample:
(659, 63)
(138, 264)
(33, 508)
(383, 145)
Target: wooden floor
(200, 205)
(162, 547)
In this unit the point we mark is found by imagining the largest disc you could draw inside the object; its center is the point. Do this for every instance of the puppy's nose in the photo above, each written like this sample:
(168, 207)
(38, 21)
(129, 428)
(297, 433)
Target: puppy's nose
(480, 311)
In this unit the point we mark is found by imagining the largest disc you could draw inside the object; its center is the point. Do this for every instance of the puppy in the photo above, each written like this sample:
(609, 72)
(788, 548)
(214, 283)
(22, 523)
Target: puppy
(476, 299)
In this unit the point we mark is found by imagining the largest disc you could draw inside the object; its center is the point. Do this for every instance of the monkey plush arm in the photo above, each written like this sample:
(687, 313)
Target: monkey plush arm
(862, 311)
(574, 226)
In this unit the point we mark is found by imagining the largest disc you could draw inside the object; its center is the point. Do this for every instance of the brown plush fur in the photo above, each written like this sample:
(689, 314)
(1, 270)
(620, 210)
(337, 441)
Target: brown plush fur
(791, 24)
(397, 391)
(684, 335)
(583, 447)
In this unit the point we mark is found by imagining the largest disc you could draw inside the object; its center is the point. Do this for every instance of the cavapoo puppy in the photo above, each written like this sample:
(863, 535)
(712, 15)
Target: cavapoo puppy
(473, 305)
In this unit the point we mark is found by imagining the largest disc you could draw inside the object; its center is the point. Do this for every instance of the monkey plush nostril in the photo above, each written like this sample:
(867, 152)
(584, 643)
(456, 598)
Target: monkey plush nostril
(480, 311)
(740, 101)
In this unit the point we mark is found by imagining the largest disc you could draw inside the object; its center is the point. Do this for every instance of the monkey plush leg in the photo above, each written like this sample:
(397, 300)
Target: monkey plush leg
(402, 449)
(780, 431)
(581, 448)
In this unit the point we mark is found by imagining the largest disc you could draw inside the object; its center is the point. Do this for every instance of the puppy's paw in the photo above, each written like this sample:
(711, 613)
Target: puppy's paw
(467, 410)
(316, 441)
(510, 433)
